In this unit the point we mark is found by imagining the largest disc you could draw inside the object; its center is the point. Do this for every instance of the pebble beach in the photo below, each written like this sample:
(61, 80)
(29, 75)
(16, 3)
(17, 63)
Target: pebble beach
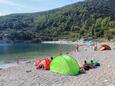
(27, 75)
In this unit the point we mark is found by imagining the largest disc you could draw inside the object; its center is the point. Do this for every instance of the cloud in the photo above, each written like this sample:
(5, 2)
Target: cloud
(7, 2)
(24, 6)
(2, 14)
(11, 3)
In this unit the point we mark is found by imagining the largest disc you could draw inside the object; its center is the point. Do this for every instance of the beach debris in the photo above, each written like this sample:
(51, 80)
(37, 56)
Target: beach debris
(27, 71)
(64, 64)
(28, 62)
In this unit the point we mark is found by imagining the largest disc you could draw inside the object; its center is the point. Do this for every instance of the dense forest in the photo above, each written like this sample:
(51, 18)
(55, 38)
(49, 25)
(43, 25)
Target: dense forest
(95, 18)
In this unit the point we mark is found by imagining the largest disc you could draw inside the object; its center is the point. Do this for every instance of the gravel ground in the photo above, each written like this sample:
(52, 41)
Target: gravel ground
(27, 75)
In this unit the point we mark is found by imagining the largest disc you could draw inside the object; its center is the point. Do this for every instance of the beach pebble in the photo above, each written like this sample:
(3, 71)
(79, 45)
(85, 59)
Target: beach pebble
(111, 85)
(105, 81)
(27, 71)
(108, 66)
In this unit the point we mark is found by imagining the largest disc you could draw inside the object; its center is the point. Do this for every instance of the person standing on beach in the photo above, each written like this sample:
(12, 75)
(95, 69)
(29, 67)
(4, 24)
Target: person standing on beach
(77, 48)
(17, 60)
(95, 47)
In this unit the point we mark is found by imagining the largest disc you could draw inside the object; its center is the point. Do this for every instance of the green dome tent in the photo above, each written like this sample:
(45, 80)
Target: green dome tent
(64, 64)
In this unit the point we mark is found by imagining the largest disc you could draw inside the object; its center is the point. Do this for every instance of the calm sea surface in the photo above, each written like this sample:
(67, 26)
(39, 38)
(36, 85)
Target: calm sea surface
(9, 52)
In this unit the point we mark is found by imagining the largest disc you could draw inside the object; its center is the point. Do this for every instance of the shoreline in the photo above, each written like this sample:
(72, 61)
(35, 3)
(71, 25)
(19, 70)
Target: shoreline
(7, 65)
(58, 42)
(12, 64)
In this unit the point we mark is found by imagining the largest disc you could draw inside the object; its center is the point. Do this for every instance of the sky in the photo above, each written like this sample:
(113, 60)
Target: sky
(28, 6)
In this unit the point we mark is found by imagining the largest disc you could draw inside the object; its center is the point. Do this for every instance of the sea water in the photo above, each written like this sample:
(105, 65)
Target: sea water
(9, 53)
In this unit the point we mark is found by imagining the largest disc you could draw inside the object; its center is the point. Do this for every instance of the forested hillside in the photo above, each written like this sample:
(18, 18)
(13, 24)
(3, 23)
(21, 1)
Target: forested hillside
(94, 18)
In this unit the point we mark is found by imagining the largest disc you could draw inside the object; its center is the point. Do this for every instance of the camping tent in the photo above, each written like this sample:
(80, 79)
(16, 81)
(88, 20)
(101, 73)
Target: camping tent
(64, 64)
(104, 47)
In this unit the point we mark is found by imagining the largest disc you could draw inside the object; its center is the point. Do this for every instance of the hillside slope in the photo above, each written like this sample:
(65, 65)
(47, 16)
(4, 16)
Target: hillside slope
(87, 18)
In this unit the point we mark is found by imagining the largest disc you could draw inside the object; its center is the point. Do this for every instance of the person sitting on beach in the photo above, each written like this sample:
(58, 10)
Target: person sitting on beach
(85, 66)
(88, 66)
(95, 63)
(82, 70)
(51, 58)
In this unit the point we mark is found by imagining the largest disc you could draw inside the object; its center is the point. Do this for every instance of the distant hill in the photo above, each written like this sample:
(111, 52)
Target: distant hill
(94, 18)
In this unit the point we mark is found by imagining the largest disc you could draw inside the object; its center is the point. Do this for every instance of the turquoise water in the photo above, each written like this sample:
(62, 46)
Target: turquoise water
(9, 52)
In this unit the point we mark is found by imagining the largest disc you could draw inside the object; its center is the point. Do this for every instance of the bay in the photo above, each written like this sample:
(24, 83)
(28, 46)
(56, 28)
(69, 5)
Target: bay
(23, 51)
